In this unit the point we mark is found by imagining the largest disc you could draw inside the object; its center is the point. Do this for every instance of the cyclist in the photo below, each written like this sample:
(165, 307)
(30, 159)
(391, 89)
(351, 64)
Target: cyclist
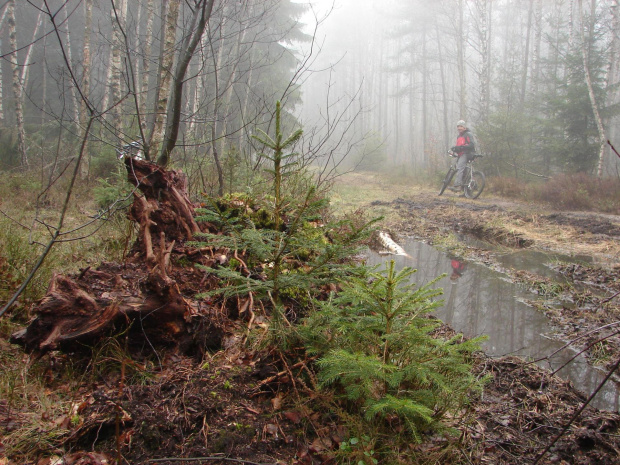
(458, 268)
(464, 149)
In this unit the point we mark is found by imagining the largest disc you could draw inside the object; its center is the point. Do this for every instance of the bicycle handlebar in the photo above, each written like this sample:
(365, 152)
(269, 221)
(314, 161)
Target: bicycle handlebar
(453, 154)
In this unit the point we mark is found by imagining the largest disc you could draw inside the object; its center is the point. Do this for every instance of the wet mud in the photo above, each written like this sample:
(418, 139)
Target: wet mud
(580, 296)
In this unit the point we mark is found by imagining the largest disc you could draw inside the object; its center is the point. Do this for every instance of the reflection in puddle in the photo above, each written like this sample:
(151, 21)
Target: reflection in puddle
(478, 300)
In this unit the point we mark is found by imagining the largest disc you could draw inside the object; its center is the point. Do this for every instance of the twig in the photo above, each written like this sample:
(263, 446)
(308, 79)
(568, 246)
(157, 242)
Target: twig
(614, 149)
(569, 343)
(585, 349)
(528, 172)
(611, 298)
(577, 413)
(198, 459)
(287, 371)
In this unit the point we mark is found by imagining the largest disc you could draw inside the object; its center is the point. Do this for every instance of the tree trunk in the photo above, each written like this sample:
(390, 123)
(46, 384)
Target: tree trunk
(444, 90)
(597, 116)
(115, 70)
(190, 42)
(484, 38)
(230, 86)
(460, 51)
(536, 58)
(217, 64)
(164, 76)
(146, 68)
(17, 86)
(613, 66)
(571, 35)
(75, 108)
(4, 13)
(526, 52)
(86, 67)
(424, 117)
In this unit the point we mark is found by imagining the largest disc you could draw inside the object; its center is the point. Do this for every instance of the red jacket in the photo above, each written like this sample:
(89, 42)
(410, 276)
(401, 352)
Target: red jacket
(465, 143)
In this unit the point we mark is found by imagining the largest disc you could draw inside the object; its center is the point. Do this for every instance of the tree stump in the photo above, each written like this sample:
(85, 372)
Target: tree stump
(141, 293)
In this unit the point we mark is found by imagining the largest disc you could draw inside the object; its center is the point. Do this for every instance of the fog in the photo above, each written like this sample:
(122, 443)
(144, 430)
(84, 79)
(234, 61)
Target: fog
(380, 83)
(400, 74)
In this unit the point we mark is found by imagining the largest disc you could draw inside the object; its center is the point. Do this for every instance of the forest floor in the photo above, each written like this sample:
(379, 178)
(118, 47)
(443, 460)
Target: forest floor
(238, 405)
(509, 414)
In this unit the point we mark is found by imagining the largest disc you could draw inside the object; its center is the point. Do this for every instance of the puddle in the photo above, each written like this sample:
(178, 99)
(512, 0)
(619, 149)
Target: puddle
(538, 262)
(478, 300)
(534, 261)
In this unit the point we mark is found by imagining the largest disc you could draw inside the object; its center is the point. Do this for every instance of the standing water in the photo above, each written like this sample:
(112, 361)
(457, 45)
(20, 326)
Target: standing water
(480, 301)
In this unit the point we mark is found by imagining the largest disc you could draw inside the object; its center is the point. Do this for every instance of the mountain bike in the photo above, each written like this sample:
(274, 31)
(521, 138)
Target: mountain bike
(473, 180)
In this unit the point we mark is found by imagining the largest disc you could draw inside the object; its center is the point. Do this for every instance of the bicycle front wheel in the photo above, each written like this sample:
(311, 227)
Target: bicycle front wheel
(446, 180)
(476, 185)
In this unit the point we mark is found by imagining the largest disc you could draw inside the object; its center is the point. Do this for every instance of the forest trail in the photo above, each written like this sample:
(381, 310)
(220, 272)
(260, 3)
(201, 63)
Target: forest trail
(417, 210)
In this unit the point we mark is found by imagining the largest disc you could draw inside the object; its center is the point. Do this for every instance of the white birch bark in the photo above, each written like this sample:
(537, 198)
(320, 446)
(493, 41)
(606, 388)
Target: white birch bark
(595, 110)
(146, 64)
(72, 90)
(86, 69)
(165, 75)
(17, 86)
(115, 73)
(2, 18)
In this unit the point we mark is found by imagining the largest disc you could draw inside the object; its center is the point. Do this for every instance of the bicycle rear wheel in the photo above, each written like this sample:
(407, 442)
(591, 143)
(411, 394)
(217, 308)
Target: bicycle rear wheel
(476, 185)
(446, 180)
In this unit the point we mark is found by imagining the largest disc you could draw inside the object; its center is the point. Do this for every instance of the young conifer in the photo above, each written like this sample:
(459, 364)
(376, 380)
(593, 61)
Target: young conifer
(289, 255)
(376, 349)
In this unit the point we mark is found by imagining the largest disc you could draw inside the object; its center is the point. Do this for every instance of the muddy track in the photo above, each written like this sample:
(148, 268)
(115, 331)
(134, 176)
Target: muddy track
(495, 226)
(522, 400)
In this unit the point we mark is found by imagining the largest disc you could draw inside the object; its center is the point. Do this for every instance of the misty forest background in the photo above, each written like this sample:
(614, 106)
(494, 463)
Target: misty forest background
(373, 85)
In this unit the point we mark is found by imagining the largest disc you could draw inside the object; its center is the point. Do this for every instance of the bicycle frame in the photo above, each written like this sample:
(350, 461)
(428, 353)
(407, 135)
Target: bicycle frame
(473, 181)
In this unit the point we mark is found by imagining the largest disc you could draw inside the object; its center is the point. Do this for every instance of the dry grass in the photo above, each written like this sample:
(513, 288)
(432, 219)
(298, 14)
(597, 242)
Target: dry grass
(564, 192)
(33, 417)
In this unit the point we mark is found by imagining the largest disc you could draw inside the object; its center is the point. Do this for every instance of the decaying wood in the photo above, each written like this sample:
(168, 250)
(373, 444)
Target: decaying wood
(77, 311)
(174, 214)
(143, 293)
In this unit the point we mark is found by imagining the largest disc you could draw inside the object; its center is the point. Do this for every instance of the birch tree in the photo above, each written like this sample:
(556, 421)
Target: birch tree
(201, 14)
(20, 77)
(164, 77)
(115, 70)
(593, 102)
(146, 64)
(86, 70)
(2, 18)
(17, 86)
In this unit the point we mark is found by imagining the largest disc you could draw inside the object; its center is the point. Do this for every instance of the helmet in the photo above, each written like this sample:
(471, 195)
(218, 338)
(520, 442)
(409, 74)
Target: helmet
(461, 123)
